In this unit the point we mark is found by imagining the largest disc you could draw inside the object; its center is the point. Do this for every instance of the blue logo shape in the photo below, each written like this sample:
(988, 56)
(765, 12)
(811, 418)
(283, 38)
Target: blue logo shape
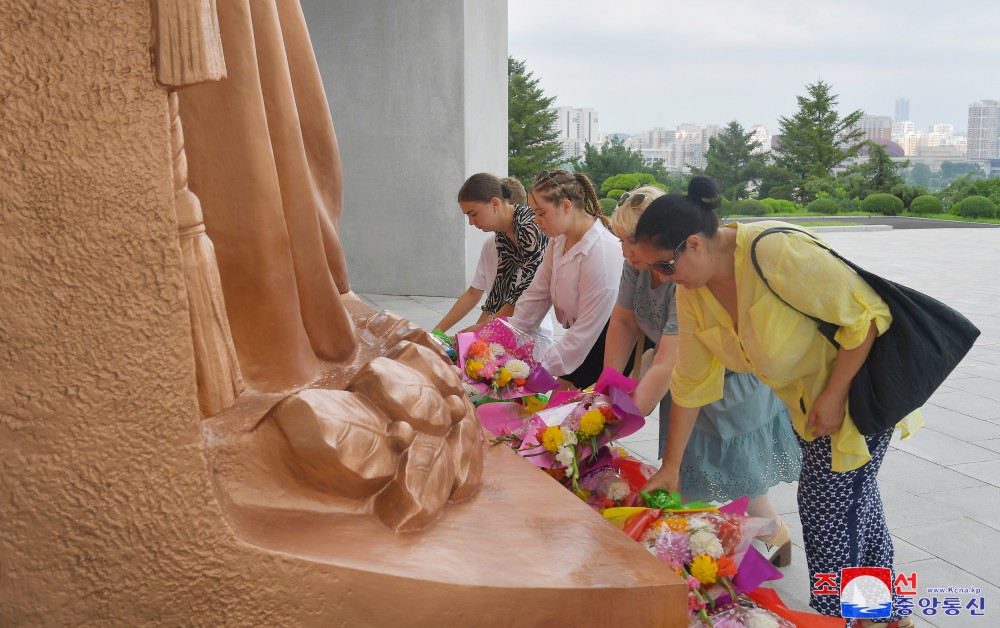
(865, 592)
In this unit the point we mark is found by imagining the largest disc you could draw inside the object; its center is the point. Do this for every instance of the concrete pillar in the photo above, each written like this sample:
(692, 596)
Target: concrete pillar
(418, 95)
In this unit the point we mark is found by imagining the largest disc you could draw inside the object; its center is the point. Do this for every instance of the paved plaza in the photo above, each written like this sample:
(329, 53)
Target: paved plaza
(941, 488)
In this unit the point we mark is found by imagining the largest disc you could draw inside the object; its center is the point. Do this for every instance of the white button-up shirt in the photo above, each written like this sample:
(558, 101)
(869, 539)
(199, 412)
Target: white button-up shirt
(582, 285)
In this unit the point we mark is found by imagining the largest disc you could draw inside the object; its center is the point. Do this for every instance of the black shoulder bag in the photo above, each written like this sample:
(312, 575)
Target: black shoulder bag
(925, 342)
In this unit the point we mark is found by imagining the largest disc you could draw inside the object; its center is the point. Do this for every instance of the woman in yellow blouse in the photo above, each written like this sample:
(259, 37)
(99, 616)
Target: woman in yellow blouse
(729, 318)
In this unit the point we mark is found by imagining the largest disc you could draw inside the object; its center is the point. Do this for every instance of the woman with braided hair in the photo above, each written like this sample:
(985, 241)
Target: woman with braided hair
(579, 275)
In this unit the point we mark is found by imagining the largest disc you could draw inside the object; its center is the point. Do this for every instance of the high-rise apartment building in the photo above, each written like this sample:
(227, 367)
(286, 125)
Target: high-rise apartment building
(576, 129)
(902, 109)
(984, 133)
(875, 127)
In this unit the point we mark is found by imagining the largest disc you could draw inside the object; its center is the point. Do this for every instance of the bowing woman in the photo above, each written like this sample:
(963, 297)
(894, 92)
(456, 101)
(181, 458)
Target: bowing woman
(578, 276)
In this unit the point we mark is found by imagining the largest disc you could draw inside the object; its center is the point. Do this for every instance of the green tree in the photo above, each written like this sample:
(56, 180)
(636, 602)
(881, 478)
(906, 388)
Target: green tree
(775, 182)
(814, 140)
(730, 161)
(920, 174)
(613, 158)
(880, 173)
(531, 140)
(954, 169)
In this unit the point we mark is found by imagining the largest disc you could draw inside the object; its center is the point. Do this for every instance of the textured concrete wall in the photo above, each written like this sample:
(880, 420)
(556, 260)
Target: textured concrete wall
(422, 106)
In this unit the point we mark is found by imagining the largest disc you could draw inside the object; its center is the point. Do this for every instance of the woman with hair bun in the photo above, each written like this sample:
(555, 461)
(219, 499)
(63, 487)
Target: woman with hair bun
(508, 260)
(742, 444)
(578, 276)
(730, 319)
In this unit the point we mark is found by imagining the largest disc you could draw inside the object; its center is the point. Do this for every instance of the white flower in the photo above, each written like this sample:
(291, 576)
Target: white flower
(518, 369)
(497, 349)
(760, 620)
(565, 456)
(618, 491)
(569, 437)
(699, 522)
(703, 542)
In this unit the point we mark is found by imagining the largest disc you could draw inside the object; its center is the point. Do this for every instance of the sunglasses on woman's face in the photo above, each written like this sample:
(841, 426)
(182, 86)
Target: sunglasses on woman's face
(634, 200)
(667, 267)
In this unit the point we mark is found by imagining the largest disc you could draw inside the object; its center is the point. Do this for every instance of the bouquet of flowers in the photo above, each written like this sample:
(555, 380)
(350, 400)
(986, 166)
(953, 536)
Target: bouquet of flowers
(616, 484)
(497, 360)
(447, 344)
(708, 547)
(569, 436)
(741, 613)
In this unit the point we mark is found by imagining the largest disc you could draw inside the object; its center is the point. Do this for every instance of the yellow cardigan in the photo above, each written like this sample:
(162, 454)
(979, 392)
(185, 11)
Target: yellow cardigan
(783, 348)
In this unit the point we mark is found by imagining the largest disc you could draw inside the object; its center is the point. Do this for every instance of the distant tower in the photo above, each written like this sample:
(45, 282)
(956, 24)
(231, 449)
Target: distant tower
(902, 109)
(984, 130)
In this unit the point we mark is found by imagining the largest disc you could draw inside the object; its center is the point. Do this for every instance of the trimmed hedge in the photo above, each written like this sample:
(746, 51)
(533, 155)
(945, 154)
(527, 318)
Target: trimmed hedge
(779, 205)
(885, 204)
(926, 204)
(749, 207)
(825, 206)
(977, 207)
(608, 205)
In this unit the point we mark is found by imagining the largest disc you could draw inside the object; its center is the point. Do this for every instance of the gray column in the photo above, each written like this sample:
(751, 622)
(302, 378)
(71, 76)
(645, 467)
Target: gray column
(418, 95)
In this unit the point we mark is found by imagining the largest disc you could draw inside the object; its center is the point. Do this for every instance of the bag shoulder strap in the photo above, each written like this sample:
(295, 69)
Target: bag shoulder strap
(828, 330)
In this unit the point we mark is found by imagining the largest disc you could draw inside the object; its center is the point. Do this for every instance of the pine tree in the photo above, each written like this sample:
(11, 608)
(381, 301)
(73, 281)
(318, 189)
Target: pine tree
(612, 159)
(531, 140)
(816, 138)
(731, 162)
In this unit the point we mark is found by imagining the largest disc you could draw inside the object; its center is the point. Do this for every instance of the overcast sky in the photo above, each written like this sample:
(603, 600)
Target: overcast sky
(647, 63)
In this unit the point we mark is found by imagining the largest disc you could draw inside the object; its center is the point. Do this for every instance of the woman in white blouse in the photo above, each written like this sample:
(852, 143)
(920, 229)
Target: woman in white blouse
(579, 275)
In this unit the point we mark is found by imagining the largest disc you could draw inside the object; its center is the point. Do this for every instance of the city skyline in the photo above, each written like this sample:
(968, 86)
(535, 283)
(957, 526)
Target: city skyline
(749, 61)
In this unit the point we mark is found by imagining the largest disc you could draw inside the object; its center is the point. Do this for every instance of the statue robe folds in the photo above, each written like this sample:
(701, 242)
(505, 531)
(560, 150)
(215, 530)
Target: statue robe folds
(263, 160)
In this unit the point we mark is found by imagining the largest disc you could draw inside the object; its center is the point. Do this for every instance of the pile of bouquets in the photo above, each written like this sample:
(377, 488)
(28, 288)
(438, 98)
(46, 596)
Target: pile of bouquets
(569, 437)
(497, 361)
(707, 546)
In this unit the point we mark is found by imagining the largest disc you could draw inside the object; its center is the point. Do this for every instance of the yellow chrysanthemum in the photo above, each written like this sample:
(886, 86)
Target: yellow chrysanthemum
(552, 438)
(592, 423)
(472, 367)
(704, 568)
(534, 405)
(502, 378)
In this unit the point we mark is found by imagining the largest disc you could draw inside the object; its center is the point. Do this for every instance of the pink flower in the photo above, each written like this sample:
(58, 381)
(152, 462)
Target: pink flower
(693, 583)
(489, 370)
(694, 603)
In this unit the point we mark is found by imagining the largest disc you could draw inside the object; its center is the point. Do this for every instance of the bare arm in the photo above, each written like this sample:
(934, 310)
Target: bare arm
(484, 318)
(462, 306)
(655, 383)
(621, 338)
(681, 423)
(829, 408)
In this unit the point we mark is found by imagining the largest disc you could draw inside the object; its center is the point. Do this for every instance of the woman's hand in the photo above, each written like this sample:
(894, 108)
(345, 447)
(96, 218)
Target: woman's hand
(667, 477)
(827, 413)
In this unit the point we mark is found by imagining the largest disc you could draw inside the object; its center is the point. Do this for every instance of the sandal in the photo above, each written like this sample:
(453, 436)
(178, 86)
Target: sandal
(779, 548)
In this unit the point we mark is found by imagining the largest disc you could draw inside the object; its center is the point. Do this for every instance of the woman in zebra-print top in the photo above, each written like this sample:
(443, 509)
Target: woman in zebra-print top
(519, 246)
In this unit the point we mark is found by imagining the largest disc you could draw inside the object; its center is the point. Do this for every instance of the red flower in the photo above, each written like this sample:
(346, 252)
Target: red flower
(726, 567)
